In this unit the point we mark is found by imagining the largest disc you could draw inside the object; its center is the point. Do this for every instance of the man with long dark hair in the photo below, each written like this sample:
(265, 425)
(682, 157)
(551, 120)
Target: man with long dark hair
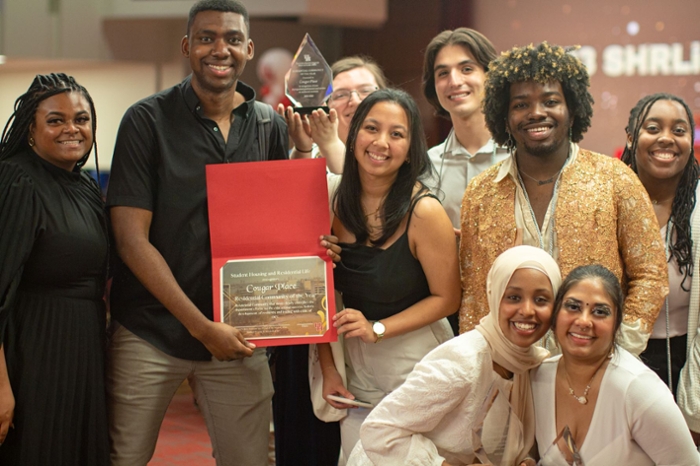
(454, 73)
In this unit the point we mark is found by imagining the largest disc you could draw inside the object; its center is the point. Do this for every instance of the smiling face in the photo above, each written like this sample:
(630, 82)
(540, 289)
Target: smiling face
(585, 325)
(352, 80)
(664, 142)
(459, 81)
(526, 307)
(538, 118)
(62, 129)
(383, 140)
(218, 48)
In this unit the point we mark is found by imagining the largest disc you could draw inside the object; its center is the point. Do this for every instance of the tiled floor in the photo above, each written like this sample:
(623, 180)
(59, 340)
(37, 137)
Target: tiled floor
(183, 438)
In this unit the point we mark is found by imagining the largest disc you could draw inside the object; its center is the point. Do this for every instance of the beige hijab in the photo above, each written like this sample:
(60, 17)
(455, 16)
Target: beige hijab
(505, 353)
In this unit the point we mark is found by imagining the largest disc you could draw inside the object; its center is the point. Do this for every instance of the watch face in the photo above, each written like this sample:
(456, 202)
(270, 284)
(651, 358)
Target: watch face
(378, 328)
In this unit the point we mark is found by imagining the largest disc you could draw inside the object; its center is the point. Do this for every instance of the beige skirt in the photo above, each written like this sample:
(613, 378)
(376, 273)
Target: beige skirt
(376, 369)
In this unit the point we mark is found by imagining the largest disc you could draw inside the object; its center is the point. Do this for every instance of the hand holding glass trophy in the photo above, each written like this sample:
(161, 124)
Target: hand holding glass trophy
(309, 81)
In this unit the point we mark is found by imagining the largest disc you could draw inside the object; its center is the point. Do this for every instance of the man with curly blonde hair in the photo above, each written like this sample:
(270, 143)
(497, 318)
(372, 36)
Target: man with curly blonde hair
(579, 206)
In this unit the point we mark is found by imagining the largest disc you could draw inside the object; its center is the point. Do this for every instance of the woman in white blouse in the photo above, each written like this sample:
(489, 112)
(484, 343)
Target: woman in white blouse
(429, 419)
(618, 411)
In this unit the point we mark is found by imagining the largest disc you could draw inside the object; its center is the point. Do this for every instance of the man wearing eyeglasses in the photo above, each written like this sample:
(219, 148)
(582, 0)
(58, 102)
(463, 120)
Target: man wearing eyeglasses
(454, 71)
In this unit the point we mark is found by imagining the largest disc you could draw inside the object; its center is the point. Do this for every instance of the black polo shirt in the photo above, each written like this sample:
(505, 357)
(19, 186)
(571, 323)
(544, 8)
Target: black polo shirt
(163, 145)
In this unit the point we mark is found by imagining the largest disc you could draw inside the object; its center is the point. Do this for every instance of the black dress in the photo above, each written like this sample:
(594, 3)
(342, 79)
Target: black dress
(381, 282)
(53, 248)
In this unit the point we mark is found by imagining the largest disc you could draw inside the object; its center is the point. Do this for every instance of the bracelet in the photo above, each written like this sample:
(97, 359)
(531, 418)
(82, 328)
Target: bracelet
(304, 151)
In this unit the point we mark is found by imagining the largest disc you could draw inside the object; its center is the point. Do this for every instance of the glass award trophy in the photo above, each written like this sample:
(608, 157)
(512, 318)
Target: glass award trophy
(496, 427)
(562, 451)
(309, 81)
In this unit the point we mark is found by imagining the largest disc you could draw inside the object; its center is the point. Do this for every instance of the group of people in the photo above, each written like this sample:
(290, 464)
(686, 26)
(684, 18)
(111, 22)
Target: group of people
(559, 252)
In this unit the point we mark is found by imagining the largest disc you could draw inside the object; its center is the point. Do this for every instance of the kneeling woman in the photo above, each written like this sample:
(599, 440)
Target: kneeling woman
(399, 273)
(618, 411)
(429, 419)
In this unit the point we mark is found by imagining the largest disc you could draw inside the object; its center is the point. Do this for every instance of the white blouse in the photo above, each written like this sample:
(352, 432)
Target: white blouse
(635, 421)
(429, 418)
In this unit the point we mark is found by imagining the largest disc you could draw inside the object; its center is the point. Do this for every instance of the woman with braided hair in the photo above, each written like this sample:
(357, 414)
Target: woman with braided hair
(53, 250)
(660, 139)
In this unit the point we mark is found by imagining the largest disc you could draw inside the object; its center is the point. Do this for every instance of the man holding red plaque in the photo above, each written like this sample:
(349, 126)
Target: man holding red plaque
(161, 299)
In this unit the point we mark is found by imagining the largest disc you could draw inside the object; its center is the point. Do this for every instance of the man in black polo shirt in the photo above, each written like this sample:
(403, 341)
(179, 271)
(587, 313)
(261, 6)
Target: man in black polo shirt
(161, 300)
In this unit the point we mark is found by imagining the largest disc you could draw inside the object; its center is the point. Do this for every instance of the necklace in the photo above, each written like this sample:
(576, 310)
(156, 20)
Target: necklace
(542, 182)
(549, 215)
(583, 399)
(550, 209)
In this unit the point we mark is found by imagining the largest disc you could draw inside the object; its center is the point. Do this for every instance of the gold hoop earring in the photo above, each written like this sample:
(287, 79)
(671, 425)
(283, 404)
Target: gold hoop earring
(31, 142)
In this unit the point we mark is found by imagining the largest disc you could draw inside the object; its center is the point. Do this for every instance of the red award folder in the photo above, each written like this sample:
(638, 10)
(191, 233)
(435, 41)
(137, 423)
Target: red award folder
(271, 278)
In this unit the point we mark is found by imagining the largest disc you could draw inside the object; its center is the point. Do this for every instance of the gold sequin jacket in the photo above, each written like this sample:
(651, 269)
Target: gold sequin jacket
(603, 215)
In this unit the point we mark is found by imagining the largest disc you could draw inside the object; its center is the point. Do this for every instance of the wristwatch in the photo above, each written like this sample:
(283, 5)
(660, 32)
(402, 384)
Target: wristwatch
(378, 328)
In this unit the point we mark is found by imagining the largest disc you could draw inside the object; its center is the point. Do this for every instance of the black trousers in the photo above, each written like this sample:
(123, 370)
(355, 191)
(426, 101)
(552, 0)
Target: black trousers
(655, 357)
(300, 437)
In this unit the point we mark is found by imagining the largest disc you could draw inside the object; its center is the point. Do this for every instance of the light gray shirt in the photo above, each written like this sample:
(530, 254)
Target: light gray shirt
(455, 167)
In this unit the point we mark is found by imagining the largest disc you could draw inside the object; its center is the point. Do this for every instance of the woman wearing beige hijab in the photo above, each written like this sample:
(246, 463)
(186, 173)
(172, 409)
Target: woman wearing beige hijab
(430, 418)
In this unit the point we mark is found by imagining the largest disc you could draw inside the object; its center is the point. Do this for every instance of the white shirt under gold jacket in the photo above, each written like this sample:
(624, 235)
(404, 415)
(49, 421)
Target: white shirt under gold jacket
(602, 215)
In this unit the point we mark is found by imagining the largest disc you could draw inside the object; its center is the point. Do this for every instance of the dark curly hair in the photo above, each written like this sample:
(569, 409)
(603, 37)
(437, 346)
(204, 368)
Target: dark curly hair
(347, 199)
(684, 199)
(478, 45)
(541, 63)
(15, 136)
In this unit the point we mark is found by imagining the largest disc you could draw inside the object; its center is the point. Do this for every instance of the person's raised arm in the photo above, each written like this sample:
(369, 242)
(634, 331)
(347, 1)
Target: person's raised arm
(324, 131)
(299, 132)
(131, 231)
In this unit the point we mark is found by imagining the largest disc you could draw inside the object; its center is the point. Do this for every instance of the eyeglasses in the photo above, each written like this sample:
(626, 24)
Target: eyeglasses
(343, 95)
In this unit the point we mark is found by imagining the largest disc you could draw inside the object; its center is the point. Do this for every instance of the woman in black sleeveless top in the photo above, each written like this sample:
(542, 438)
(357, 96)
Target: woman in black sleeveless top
(399, 273)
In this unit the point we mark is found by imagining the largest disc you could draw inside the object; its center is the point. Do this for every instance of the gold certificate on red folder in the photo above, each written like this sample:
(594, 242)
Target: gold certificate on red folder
(271, 278)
